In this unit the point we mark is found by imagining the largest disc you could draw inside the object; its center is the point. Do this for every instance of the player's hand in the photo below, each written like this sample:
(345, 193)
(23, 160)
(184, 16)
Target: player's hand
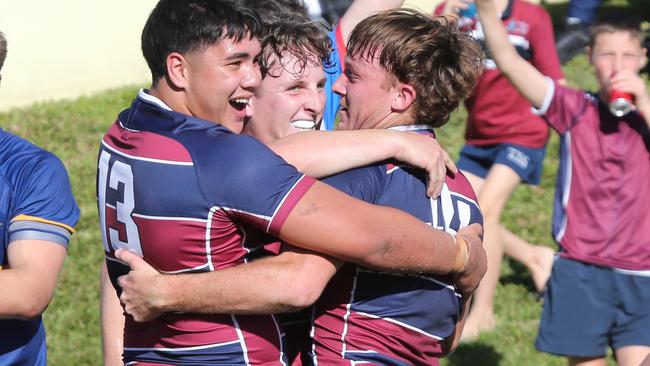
(424, 152)
(140, 288)
(468, 279)
(453, 7)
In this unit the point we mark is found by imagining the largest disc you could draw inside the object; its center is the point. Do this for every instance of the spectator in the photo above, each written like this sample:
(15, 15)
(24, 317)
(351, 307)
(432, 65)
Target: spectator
(599, 290)
(37, 215)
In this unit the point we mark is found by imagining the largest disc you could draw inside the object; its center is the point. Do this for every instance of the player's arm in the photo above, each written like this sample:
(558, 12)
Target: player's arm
(29, 279)
(361, 9)
(323, 153)
(112, 320)
(328, 221)
(529, 81)
(289, 281)
(452, 7)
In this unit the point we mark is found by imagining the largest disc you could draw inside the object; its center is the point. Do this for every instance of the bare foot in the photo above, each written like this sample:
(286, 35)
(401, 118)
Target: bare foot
(540, 269)
(475, 325)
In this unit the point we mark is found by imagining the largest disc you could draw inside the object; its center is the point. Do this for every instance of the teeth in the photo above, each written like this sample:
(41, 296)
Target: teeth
(303, 124)
(240, 101)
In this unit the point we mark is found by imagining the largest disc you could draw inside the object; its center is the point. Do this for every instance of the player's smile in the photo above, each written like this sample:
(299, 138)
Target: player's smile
(287, 101)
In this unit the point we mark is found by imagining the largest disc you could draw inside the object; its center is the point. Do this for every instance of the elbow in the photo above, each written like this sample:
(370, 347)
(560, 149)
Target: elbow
(304, 292)
(31, 309)
(306, 295)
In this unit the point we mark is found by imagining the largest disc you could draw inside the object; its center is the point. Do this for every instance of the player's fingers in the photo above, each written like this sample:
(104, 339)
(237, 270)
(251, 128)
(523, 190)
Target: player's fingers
(449, 163)
(436, 178)
(129, 258)
(122, 281)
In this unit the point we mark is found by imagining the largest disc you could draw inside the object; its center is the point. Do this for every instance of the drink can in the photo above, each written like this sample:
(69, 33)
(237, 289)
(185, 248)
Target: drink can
(470, 12)
(620, 103)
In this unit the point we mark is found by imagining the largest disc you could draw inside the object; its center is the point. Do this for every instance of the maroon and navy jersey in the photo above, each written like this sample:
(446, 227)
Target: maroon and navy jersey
(602, 196)
(365, 316)
(497, 113)
(184, 193)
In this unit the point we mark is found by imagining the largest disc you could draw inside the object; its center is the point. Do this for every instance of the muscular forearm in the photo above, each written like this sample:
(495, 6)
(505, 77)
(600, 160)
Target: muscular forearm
(328, 221)
(283, 283)
(323, 153)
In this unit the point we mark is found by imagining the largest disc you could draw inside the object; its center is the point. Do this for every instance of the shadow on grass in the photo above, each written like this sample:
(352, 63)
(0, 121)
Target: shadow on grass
(472, 354)
(518, 275)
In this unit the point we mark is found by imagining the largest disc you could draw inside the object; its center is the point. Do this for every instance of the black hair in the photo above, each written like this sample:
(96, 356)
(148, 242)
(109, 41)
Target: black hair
(185, 26)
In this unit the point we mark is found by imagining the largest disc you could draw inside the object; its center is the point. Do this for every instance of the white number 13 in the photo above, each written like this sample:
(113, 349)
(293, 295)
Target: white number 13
(119, 173)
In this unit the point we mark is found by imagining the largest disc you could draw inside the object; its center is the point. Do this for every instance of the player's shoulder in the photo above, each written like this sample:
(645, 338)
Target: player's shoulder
(21, 158)
(458, 183)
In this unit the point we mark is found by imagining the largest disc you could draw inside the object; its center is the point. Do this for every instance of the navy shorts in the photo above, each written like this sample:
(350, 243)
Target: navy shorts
(527, 162)
(589, 308)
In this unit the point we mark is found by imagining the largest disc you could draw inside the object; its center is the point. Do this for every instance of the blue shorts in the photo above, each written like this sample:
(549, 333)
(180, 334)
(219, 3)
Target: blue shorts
(589, 308)
(527, 162)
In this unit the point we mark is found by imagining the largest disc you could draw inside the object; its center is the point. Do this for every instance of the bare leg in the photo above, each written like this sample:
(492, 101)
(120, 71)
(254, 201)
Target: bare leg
(633, 356)
(538, 259)
(646, 362)
(492, 195)
(587, 361)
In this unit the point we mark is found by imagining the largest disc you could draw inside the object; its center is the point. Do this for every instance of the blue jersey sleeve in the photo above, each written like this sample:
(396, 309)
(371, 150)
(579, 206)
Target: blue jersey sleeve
(363, 183)
(5, 209)
(43, 205)
(249, 180)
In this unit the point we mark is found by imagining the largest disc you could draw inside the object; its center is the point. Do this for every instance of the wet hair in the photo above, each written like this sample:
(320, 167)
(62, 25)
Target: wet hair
(307, 41)
(440, 61)
(617, 21)
(3, 49)
(271, 11)
(186, 26)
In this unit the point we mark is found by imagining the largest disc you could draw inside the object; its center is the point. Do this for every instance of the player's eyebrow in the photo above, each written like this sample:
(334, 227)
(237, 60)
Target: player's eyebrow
(238, 55)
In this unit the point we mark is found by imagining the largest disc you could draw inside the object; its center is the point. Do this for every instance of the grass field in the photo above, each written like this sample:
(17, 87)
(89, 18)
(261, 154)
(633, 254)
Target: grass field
(73, 129)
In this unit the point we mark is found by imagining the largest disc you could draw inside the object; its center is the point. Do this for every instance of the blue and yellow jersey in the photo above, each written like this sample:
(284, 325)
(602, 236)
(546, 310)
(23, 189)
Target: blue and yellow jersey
(36, 203)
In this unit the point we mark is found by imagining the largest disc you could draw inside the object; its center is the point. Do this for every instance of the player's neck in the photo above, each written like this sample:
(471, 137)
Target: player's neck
(397, 119)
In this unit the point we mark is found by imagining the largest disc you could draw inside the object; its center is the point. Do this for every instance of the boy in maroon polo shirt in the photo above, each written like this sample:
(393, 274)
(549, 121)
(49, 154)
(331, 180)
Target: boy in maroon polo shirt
(599, 290)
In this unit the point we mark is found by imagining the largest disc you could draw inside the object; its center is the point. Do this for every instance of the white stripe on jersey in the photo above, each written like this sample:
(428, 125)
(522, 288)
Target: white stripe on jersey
(180, 349)
(347, 313)
(401, 324)
(566, 186)
(164, 218)
(242, 341)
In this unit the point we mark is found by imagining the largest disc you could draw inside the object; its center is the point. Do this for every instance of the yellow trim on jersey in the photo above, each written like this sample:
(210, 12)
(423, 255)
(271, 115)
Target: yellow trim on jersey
(38, 219)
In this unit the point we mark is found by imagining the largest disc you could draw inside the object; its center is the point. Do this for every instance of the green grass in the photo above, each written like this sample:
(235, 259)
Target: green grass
(73, 129)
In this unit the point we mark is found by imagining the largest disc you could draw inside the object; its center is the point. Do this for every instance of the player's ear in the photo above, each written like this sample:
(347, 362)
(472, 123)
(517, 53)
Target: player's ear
(589, 51)
(405, 95)
(176, 65)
